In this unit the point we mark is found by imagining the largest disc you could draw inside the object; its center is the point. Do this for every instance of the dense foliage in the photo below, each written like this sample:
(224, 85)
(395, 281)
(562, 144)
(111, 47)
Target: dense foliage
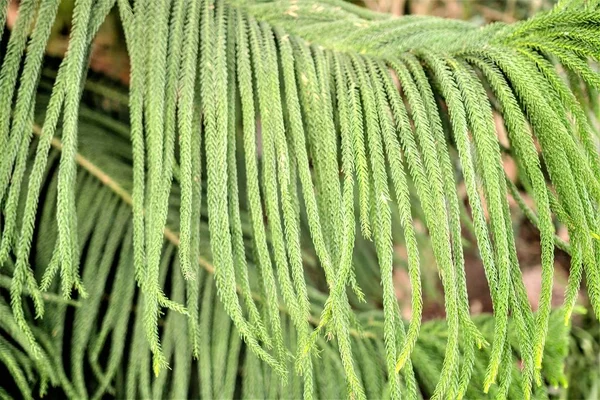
(246, 213)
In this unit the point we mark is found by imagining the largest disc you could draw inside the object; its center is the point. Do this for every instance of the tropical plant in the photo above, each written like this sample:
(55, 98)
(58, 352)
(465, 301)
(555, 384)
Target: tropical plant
(490, 10)
(235, 235)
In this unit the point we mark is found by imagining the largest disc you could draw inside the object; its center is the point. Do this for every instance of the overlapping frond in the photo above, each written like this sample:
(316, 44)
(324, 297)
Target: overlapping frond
(264, 140)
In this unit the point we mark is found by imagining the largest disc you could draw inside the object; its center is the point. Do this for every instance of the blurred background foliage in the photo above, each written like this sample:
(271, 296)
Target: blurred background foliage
(473, 10)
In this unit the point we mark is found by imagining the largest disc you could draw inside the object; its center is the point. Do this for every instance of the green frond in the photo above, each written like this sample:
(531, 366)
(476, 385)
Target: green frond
(235, 236)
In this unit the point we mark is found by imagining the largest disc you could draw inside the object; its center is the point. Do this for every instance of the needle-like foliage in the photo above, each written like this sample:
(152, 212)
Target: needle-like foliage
(214, 244)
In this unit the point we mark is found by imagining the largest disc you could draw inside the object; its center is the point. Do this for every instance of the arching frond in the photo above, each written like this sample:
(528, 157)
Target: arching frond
(223, 226)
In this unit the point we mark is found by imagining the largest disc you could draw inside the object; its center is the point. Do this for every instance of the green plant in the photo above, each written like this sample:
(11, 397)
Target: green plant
(220, 225)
